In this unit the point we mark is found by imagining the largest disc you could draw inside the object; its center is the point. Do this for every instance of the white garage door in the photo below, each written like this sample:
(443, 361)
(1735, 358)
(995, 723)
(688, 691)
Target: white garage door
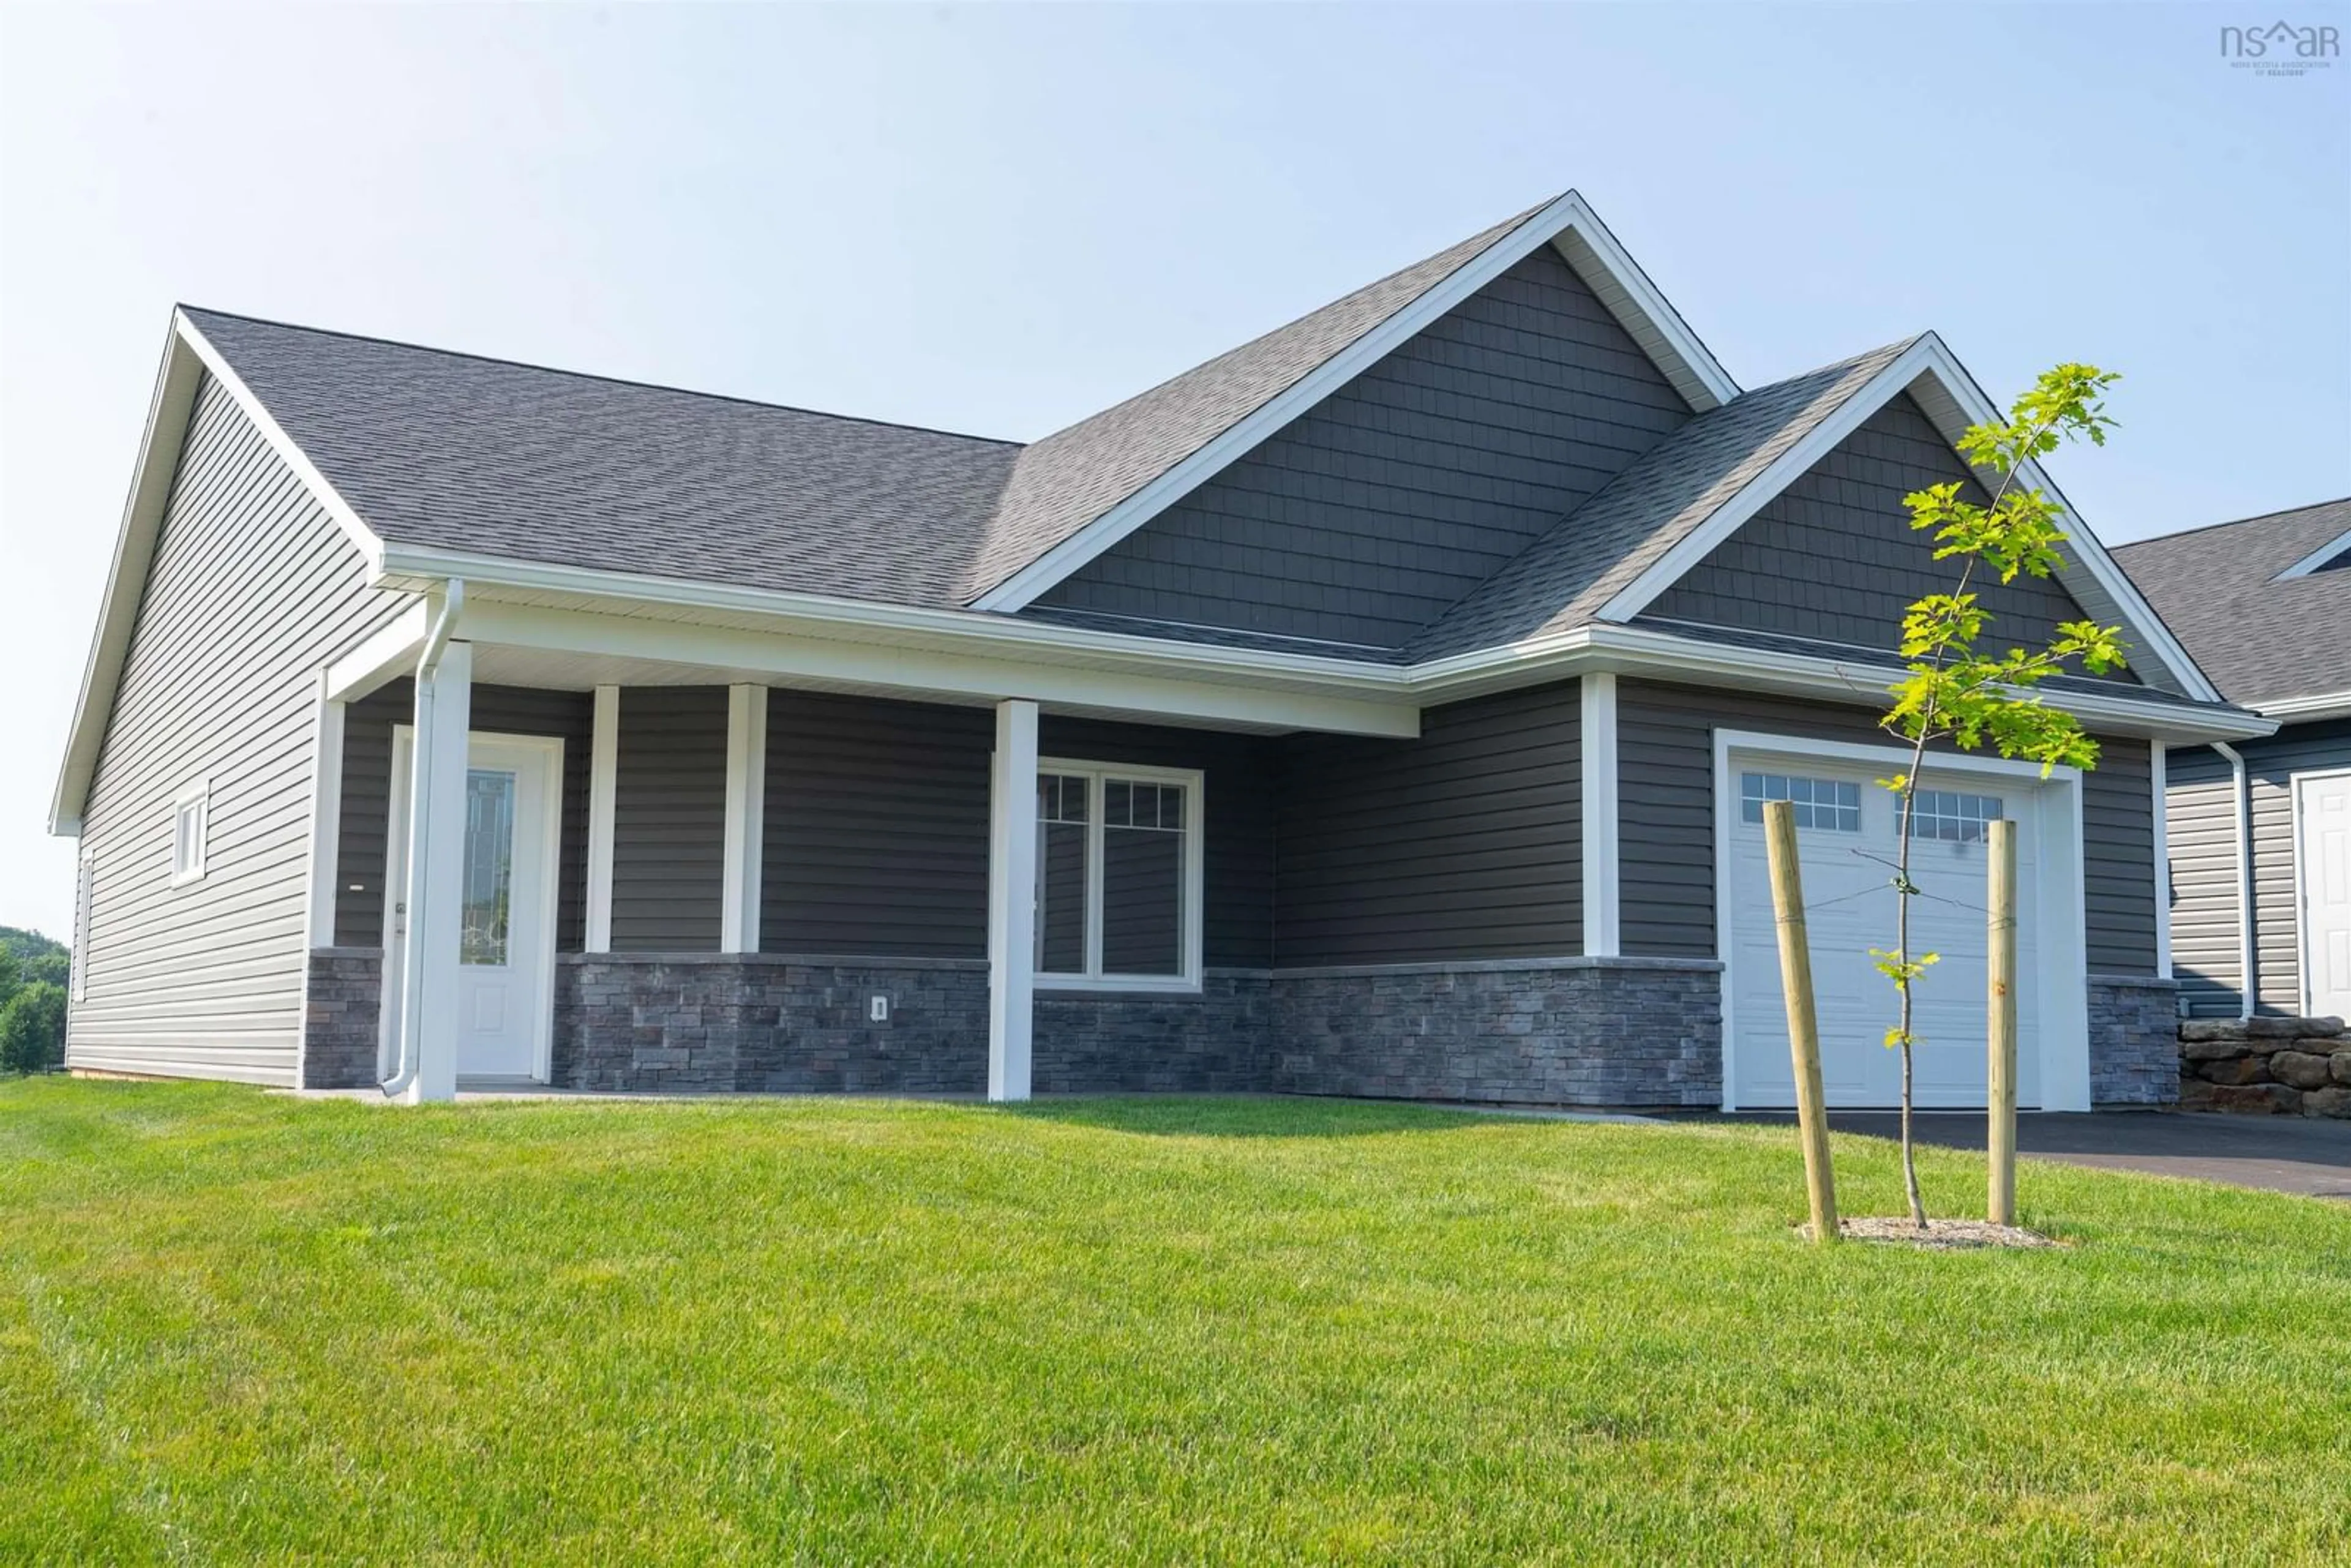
(1847, 834)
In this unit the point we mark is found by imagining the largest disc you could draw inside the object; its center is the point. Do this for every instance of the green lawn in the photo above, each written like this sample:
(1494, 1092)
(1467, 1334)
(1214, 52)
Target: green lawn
(238, 1327)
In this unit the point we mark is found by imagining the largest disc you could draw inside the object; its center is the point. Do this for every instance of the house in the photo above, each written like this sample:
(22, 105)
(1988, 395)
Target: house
(1383, 707)
(2259, 833)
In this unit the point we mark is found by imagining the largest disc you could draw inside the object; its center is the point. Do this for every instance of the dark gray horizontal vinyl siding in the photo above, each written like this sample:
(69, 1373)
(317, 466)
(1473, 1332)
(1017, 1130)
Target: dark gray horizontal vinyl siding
(2204, 868)
(669, 820)
(1239, 774)
(1834, 556)
(1665, 736)
(876, 829)
(253, 589)
(368, 723)
(1465, 843)
(2118, 859)
(1371, 514)
(2200, 832)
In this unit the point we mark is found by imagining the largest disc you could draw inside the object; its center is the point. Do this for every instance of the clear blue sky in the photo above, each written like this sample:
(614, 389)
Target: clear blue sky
(999, 219)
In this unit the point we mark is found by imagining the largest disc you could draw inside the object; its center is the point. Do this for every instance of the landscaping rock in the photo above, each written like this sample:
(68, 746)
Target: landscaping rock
(2238, 1070)
(2195, 1095)
(2339, 1065)
(2256, 1099)
(2300, 1069)
(2204, 1031)
(2332, 1101)
(2216, 1048)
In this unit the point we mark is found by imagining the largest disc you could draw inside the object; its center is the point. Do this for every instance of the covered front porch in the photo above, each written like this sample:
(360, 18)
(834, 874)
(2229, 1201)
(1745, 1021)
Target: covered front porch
(603, 851)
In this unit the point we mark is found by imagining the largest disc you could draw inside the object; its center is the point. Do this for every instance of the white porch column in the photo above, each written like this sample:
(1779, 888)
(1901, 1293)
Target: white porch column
(2159, 787)
(436, 866)
(1602, 901)
(747, 806)
(604, 795)
(1011, 898)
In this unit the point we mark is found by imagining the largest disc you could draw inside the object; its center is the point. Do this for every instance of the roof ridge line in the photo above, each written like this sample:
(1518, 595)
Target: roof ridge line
(2228, 523)
(185, 307)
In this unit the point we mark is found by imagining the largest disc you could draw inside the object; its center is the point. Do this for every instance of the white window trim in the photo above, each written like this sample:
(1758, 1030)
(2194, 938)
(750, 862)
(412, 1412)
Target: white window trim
(1195, 786)
(199, 795)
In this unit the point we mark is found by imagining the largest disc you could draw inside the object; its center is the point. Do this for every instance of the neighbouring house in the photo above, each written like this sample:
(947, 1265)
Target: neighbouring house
(2260, 832)
(1385, 707)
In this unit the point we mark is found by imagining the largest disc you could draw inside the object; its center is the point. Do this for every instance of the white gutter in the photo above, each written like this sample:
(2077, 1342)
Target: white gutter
(2241, 784)
(1550, 657)
(421, 819)
(2302, 710)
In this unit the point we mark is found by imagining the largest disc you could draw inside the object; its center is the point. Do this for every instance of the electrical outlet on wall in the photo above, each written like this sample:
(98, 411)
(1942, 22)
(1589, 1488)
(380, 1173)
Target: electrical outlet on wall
(878, 1009)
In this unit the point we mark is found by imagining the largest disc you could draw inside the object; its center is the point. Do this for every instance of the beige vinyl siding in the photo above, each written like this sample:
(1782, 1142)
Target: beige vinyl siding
(2204, 868)
(252, 591)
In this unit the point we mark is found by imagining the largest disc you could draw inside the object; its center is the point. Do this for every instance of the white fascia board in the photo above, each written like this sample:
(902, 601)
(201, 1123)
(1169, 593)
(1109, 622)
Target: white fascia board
(2139, 617)
(281, 443)
(1569, 215)
(1776, 476)
(1926, 364)
(390, 652)
(1641, 308)
(735, 653)
(2302, 710)
(187, 359)
(176, 381)
(2317, 557)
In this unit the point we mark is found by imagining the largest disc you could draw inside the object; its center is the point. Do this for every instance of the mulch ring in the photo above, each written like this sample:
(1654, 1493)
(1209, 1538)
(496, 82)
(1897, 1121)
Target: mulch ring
(1940, 1235)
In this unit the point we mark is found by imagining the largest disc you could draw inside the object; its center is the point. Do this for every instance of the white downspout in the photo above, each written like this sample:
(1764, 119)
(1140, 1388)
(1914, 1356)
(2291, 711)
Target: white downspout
(404, 1072)
(2241, 786)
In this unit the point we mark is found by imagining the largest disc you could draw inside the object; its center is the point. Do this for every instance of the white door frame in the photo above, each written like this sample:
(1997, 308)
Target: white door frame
(2306, 1003)
(2060, 906)
(395, 882)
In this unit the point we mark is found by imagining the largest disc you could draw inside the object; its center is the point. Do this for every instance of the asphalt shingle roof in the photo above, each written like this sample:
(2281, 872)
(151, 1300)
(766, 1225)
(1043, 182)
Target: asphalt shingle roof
(1561, 580)
(2260, 640)
(451, 451)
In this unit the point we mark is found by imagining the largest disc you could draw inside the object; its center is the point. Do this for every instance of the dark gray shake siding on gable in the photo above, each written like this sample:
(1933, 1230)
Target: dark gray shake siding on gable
(1665, 736)
(1465, 843)
(368, 723)
(2202, 835)
(1377, 510)
(669, 820)
(253, 590)
(1833, 557)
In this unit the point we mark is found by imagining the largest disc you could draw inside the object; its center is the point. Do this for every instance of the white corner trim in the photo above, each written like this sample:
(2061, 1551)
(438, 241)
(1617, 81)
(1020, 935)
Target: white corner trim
(1569, 213)
(603, 776)
(1012, 900)
(1927, 362)
(325, 817)
(747, 800)
(2061, 907)
(2158, 788)
(1601, 893)
(2317, 557)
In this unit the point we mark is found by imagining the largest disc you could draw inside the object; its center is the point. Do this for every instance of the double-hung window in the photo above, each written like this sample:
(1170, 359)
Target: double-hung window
(1118, 876)
(190, 820)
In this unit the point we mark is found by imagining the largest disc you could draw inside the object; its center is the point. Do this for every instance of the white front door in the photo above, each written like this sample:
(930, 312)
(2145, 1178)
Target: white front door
(1847, 837)
(505, 953)
(2322, 806)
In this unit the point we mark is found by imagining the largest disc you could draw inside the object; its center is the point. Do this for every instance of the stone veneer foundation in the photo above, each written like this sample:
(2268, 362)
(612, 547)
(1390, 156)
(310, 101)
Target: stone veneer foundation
(1629, 1032)
(2133, 1040)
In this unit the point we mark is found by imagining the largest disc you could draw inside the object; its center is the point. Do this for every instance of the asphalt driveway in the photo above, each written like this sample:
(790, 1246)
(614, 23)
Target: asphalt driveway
(2285, 1154)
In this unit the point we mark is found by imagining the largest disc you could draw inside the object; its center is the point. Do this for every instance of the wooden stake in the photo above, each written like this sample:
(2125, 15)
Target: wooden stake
(2001, 968)
(1803, 1020)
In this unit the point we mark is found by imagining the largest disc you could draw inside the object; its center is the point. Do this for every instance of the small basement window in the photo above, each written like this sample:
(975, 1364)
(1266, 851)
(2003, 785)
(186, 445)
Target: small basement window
(191, 821)
(1118, 876)
(1832, 804)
